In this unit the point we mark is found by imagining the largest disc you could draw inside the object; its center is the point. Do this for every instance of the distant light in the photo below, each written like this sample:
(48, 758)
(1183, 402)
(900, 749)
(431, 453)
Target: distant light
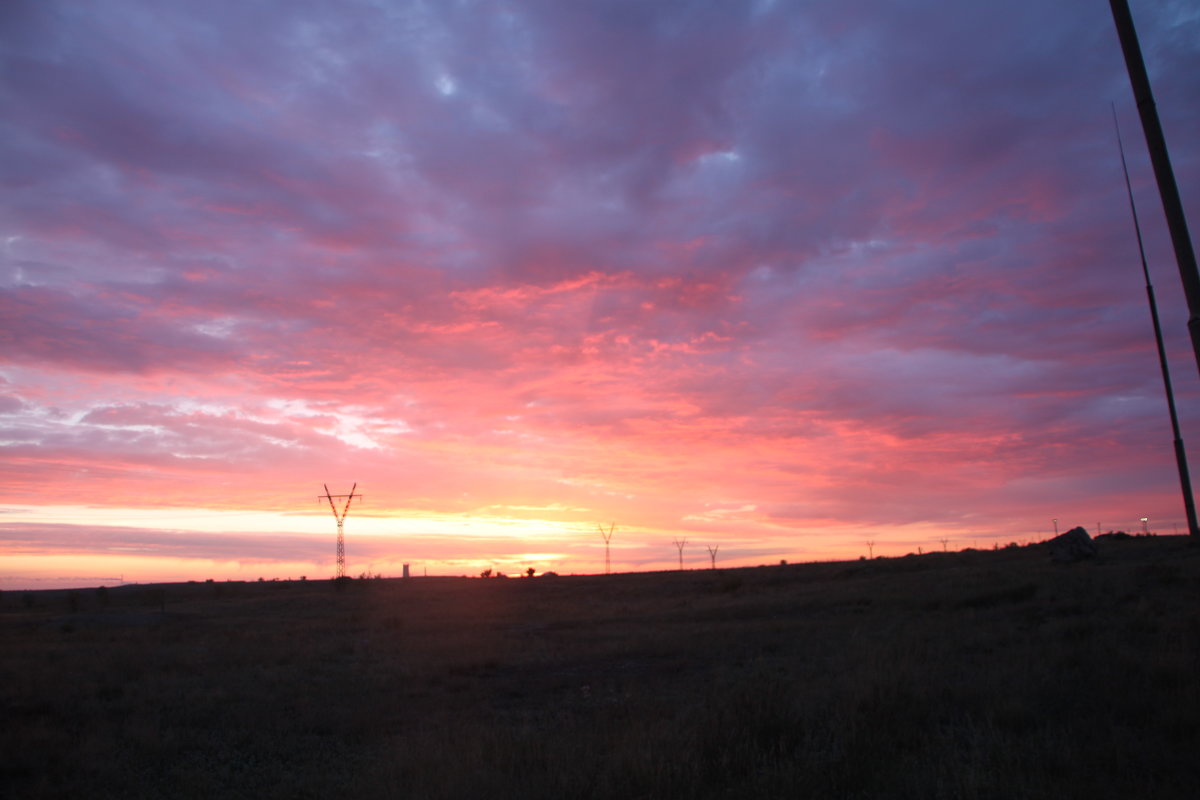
(445, 85)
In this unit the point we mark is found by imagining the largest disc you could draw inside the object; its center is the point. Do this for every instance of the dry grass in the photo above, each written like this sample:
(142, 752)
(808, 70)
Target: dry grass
(972, 675)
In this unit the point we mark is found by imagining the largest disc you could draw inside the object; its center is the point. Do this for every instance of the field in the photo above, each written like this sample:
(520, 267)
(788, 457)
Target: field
(993, 674)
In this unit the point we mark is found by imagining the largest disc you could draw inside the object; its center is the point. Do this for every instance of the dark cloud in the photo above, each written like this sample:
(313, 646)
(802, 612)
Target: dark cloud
(101, 333)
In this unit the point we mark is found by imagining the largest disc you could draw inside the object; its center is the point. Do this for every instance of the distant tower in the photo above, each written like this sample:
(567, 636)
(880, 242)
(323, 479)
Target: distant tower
(406, 570)
(607, 538)
(680, 543)
(341, 541)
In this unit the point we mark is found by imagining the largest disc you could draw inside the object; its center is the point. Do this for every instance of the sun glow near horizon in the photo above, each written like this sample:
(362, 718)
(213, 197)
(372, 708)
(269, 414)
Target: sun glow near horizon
(45, 547)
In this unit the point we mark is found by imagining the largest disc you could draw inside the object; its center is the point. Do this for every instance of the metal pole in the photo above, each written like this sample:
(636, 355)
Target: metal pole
(1185, 481)
(1185, 256)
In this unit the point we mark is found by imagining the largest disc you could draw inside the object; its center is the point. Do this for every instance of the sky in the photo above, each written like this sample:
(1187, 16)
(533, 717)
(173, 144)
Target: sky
(785, 280)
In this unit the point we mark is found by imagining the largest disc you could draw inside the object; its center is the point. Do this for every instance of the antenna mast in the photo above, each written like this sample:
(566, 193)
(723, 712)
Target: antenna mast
(1189, 503)
(1168, 190)
(340, 517)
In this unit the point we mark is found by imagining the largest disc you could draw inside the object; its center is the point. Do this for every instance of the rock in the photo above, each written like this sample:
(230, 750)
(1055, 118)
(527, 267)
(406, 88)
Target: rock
(1074, 545)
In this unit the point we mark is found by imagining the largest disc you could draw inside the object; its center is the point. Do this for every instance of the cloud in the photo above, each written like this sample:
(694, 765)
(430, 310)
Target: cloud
(61, 539)
(841, 265)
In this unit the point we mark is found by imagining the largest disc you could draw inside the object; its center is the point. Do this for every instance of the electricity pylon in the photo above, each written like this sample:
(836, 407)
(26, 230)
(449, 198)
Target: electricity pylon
(341, 541)
(607, 538)
(680, 543)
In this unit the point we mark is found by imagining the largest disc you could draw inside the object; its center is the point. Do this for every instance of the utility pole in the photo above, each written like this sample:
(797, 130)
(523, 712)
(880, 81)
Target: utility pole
(680, 543)
(1156, 143)
(712, 553)
(871, 549)
(340, 517)
(607, 538)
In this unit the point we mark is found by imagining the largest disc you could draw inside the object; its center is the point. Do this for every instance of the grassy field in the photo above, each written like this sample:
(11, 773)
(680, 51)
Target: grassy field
(991, 674)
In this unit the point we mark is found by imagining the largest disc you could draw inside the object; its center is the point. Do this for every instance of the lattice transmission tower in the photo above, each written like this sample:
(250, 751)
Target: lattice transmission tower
(341, 518)
(607, 534)
(680, 543)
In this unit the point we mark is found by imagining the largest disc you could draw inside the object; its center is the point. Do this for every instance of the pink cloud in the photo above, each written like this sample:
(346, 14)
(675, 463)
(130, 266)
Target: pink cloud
(653, 263)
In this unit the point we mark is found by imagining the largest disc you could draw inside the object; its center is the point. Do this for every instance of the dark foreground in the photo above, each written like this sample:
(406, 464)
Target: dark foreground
(968, 675)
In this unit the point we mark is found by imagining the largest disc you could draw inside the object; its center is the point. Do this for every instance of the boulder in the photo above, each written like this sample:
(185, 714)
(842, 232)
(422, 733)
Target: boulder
(1074, 545)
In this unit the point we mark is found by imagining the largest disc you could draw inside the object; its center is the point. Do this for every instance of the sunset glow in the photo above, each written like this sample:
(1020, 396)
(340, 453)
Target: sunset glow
(780, 277)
